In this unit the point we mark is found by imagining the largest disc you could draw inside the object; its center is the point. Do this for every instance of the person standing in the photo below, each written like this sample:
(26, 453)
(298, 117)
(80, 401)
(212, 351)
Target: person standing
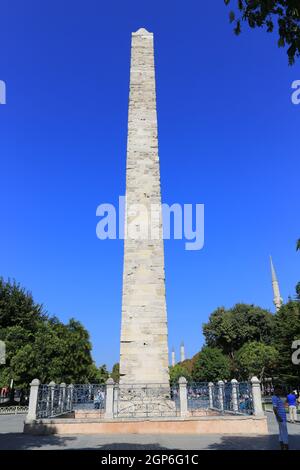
(279, 411)
(292, 403)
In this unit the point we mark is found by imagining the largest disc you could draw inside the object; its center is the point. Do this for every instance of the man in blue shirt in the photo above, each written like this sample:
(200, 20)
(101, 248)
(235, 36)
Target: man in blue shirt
(279, 410)
(292, 402)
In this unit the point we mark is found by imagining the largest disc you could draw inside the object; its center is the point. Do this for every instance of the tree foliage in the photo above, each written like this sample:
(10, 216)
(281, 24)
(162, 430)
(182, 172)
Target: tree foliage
(211, 365)
(115, 374)
(287, 329)
(257, 359)
(179, 370)
(284, 15)
(39, 346)
(100, 376)
(230, 329)
(298, 291)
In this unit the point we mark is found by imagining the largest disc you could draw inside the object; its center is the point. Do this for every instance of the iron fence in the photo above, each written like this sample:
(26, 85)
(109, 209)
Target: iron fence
(145, 400)
(197, 397)
(88, 397)
(245, 398)
(56, 400)
(13, 410)
(221, 397)
(53, 400)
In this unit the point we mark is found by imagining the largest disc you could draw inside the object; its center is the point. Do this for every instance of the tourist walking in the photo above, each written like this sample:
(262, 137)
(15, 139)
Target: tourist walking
(279, 410)
(292, 403)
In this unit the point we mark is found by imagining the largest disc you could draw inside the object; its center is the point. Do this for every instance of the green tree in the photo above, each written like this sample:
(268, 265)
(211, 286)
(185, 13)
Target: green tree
(267, 13)
(256, 359)
(298, 245)
(17, 307)
(298, 291)
(115, 373)
(210, 365)
(177, 371)
(287, 330)
(98, 375)
(39, 346)
(230, 329)
(103, 374)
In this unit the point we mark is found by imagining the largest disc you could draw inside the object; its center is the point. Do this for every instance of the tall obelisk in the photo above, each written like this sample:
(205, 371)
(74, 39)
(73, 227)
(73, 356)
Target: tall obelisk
(144, 333)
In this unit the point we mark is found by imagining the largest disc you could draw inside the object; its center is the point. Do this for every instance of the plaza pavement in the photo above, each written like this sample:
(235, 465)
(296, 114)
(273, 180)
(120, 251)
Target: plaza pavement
(11, 437)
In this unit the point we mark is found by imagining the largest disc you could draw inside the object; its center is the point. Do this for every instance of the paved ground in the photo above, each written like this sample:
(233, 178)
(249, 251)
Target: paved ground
(11, 437)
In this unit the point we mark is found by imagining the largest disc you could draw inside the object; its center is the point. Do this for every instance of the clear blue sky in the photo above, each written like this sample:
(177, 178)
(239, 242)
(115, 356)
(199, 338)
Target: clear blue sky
(229, 138)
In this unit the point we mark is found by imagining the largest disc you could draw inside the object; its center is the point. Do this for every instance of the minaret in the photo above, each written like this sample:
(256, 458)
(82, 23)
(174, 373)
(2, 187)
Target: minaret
(182, 353)
(173, 357)
(144, 357)
(277, 298)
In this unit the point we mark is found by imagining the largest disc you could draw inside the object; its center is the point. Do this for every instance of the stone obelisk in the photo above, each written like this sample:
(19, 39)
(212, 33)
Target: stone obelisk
(144, 334)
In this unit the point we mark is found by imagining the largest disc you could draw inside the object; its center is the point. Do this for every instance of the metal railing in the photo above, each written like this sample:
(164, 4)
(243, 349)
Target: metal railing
(197, 397)
(57, 400)
(13, 410)
(88, 397)
(245, 398)
(221, 397)
(53, 400)
(114, 400)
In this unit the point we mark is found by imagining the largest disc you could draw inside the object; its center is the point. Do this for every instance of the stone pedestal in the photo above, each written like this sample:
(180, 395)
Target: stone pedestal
(141, 402)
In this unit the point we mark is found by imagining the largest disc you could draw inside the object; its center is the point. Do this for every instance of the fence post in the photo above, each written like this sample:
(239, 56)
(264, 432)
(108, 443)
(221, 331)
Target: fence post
(52, 389)
(210, 394)
(33, 400)
(62, 397)
(234, 395)
(256, 396)
(70, 397)
(221, 395)
(109, 402)
(116, 398)
(183, 396)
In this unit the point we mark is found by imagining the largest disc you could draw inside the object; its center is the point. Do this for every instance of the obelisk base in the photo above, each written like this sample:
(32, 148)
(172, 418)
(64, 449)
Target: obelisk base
(144, 400)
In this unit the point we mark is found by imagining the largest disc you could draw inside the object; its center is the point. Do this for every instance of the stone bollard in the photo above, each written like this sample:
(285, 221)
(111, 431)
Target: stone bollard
(211, 394)
(62, 397)
(256, 397)
(33, 400)
(183, 396)
(221, 395)
(234, 395)
(109, 402)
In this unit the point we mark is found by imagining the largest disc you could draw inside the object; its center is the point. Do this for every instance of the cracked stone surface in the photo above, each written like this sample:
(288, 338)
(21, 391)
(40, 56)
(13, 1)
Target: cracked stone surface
(144, 334)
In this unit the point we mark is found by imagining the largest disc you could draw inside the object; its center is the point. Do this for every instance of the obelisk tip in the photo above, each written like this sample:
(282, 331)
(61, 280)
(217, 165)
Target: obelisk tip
(142, 32)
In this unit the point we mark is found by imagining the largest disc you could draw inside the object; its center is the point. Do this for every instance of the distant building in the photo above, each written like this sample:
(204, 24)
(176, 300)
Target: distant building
(278, 301)
(173, 357)
(182, 352)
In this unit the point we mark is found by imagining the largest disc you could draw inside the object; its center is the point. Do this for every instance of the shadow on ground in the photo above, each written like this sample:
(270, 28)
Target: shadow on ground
(131, 446)
(19, 441)
(269, 442)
